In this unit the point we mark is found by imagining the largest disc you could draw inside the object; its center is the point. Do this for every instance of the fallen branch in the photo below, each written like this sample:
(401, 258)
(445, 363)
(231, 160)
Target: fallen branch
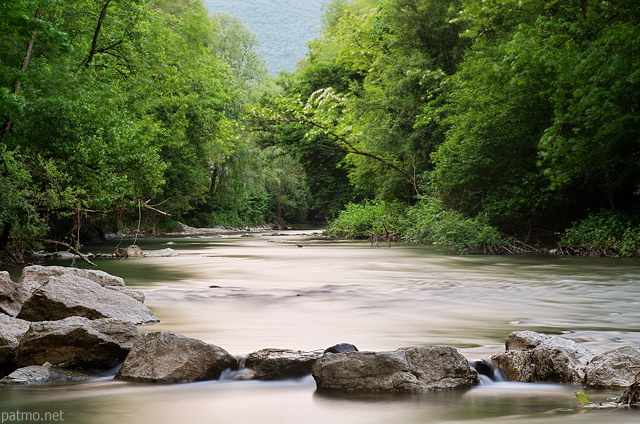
(68, 246)
(631, 395)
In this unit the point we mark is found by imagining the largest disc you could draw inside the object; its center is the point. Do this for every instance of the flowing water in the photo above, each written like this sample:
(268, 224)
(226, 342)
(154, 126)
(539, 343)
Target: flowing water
(303, 292)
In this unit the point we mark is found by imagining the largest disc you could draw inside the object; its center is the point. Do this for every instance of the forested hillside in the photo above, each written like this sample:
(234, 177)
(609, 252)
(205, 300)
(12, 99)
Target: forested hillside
(495, 126)
(283, 27)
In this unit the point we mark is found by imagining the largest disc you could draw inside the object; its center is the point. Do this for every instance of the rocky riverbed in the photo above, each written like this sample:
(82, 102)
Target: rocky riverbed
(61, 323)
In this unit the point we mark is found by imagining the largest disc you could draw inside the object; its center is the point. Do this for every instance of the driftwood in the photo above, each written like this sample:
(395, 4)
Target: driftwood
(68, 246)
(631, 395)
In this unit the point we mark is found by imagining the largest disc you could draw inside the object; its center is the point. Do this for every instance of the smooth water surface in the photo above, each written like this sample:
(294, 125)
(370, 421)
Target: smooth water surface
(301, 292)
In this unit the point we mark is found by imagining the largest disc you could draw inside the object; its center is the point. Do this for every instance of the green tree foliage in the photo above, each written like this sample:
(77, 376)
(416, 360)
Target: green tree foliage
(115, 105)
(519, 114)
(543, 112)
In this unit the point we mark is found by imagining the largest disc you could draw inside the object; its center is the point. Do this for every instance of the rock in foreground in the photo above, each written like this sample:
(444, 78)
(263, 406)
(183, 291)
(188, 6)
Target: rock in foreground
(534, 357)
(38, 374)
(9, 295)
(410, 369)
(70, 295)
(168, 357)
(276, 364)
(11, 332)
(39, 274)
(76, 343)
(615, 368)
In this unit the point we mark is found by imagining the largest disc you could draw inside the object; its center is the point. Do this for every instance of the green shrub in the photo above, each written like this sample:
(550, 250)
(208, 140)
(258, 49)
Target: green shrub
(606, 233)
(431, 223)
(372, 220)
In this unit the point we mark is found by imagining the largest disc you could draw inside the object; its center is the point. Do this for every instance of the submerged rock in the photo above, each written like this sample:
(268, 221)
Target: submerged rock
(70, 295)
(409, 369)
(162, 253)
(37, 374)
(168, 357)
(276, 364)
(76, 343)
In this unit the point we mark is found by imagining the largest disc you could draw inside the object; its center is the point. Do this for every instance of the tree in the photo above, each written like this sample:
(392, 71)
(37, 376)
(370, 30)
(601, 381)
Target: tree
(542, 113)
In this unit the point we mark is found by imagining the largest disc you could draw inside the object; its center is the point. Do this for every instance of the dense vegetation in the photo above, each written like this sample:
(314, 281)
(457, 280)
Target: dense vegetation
(490, 121)
(482, 126)
(122, 115)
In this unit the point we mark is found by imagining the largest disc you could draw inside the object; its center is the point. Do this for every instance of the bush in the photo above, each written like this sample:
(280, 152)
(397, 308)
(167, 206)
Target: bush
(370, 220)
(606, 233)
(428, 222)
(431, 223)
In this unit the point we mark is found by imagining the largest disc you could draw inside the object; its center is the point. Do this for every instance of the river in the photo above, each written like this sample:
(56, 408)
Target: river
(299, 291)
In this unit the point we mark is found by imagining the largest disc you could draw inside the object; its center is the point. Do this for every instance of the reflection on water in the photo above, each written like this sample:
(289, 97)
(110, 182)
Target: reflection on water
(248, 293)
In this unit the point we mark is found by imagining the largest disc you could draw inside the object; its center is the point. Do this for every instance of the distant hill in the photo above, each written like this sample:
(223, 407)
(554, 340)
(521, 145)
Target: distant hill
(284, 27)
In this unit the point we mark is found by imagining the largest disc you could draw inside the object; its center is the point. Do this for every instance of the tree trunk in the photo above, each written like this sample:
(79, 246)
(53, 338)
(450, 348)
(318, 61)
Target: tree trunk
(96, 34)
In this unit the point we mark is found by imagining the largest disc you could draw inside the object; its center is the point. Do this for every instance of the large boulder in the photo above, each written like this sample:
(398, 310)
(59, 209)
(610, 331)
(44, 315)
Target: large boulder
(69, 295)
(535, 357)
(168, 357)
(9, 295)
(76, 343)
(614, 368)
(12, 330)
(409, 369)
(39, 274)
(276, 364)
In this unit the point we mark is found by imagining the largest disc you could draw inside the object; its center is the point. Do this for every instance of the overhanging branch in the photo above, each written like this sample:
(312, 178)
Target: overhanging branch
(350, 148)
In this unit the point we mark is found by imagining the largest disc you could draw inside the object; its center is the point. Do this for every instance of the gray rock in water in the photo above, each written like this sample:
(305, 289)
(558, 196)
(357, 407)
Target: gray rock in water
(12, 330)
(70, 295)
(9, 295)
(524, 340)
(162, 253)
(76, 343)
(37, 374)
(132, 251)
(168, 357)
(515, 365)
(613, 368)
(40, 275)
(341, 348)
(410, 369)
(534, 357)
(276, 364)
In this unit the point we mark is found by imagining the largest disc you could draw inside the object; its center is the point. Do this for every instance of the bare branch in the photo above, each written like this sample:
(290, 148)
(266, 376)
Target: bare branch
(350, 148)
(68, 246)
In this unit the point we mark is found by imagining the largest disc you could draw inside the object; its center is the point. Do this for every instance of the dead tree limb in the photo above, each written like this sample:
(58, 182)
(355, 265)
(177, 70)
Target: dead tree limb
(68, 246)
(348, 147)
